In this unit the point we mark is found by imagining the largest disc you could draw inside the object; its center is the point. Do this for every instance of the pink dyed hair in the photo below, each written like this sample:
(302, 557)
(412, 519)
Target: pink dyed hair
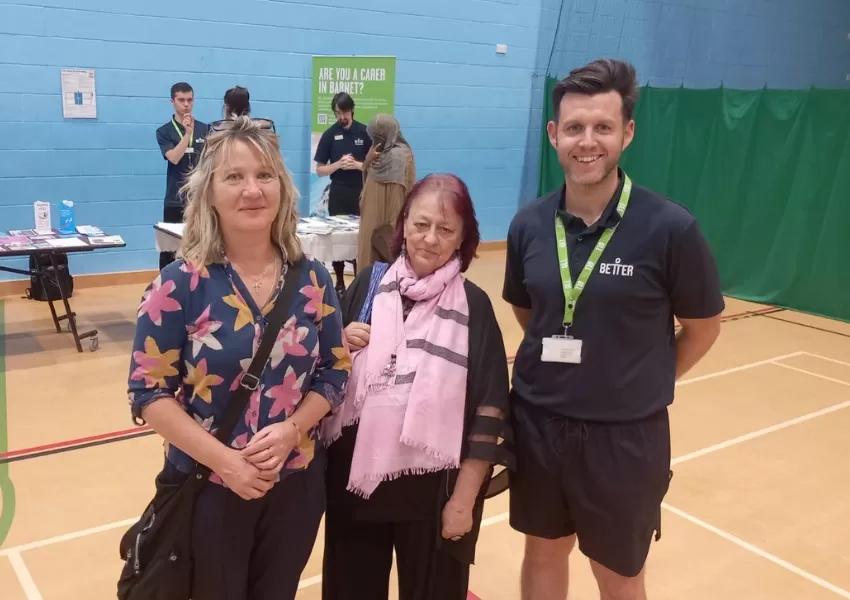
(452, 190)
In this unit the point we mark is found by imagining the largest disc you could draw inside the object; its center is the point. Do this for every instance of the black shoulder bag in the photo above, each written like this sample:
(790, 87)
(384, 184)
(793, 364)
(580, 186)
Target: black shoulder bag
(157, 549)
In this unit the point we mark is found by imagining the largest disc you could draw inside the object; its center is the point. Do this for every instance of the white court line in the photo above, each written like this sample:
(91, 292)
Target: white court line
(67, 537)
(761, 432)
(818, 375)
(736, 369)
(127, 522)
(758, 551)
(308, 582)
(25, 577)
(826, 358)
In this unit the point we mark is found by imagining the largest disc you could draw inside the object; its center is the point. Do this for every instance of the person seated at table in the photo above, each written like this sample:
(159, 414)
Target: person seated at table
(237, 103)
(389, 174)
(257, 518)
(415, 441)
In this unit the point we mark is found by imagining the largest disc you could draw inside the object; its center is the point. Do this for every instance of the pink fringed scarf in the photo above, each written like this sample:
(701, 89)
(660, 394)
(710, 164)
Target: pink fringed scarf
(411, 415)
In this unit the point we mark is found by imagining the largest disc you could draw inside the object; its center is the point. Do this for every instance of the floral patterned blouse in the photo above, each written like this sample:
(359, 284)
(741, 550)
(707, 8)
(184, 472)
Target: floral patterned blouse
(196, 334)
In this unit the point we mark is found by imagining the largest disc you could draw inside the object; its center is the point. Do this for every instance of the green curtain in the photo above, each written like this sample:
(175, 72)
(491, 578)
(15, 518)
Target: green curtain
(766, 172)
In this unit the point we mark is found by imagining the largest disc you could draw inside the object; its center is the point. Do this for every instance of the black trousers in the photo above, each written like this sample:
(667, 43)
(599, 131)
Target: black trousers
(170, 214)
(343, 200)
(257, 549)
(359, 557)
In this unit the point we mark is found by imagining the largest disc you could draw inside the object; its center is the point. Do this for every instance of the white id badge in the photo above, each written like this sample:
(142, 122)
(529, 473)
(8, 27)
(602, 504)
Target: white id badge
(190, 150)
(561, 349)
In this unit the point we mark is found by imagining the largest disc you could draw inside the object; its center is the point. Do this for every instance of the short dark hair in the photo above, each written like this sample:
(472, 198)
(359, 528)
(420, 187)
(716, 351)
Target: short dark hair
(453, 190)
(238, 100)
(342, 101)
(599, 77)
(181, 86)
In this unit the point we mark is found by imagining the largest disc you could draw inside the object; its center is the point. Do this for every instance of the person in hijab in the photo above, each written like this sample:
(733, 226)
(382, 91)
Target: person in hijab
(389, 174)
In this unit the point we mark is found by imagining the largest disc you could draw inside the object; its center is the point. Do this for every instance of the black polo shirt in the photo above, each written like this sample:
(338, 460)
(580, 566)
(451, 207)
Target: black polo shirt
(175, 175)
(656, 265)
(336, 142)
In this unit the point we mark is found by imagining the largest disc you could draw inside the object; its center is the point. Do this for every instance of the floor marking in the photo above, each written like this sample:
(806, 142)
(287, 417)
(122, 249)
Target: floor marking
(826, 358)
(761, 432)
(310, 581)
(758, 551)
(67, 537)
(736, 369)
(14, 553)
(494, 519)
(24, 577)
(7, 488)
(818, 375)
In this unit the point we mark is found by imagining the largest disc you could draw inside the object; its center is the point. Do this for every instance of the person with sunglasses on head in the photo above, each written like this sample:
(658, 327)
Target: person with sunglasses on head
(340, 155)
(242, 289)
(181, 141)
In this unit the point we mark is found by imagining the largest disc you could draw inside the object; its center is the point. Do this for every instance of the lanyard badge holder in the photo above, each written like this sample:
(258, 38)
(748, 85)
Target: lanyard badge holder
(565, 348)
(190, 149)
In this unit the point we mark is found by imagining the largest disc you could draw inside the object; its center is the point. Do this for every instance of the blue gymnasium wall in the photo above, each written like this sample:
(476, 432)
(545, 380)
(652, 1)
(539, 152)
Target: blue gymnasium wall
(464, 108)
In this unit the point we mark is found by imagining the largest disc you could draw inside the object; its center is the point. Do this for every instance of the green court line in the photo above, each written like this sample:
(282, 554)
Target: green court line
(7, 489)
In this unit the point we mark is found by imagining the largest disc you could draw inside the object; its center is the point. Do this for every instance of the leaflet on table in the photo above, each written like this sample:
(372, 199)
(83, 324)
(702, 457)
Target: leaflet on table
(104, 240)
(70, 242)
(89, 230)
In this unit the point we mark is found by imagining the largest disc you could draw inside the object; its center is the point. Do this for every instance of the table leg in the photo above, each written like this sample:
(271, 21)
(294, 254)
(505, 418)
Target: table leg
(69, 314)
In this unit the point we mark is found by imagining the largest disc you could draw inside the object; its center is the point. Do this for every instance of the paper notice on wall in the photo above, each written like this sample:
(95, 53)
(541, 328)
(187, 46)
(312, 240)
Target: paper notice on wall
(79, 100)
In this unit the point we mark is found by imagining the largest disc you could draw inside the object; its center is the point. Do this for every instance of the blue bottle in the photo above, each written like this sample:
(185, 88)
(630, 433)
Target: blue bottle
(66, 217)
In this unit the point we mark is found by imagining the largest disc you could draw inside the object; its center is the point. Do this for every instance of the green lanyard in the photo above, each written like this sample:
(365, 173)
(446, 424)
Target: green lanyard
(180, 133)
(571, 293)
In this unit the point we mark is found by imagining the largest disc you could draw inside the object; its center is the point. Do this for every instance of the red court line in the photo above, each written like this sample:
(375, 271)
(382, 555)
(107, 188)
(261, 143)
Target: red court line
(74, 442)
(111, 434)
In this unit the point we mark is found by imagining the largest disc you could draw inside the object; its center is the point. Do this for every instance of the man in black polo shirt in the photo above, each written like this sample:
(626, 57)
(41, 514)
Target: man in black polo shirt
(596, 272)
(181, 141)
(340, 155)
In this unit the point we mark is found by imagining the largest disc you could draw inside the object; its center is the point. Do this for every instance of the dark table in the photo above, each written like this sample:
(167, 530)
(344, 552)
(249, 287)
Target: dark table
(39, 246)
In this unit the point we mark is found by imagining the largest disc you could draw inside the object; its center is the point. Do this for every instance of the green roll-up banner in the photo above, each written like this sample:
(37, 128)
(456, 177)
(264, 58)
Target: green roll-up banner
(766, 172)
(369, 80)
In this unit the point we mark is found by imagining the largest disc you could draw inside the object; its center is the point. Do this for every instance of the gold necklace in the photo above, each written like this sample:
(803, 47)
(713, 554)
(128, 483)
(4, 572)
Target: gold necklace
(259, 281)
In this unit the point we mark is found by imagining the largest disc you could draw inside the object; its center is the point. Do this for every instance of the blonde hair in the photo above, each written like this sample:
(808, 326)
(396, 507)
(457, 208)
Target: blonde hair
(202, 240)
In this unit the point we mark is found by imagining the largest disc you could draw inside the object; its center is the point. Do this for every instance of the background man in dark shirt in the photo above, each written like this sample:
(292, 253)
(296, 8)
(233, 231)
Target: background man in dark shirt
(596, 272)
(181, 141)
(340, 155)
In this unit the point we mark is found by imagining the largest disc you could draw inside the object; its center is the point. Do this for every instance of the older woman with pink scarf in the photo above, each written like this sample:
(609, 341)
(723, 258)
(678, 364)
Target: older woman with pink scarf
(424, 419)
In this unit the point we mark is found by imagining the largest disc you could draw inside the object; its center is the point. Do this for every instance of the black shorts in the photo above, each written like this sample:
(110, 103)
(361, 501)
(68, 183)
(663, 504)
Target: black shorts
(603, 482)
(343, 200)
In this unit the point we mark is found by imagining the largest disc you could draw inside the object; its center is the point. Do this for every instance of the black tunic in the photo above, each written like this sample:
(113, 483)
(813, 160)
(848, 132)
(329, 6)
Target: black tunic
(423, 497)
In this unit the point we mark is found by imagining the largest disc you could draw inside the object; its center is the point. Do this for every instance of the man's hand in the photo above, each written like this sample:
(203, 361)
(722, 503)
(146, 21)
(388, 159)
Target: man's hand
(347, 162)
(189, 123)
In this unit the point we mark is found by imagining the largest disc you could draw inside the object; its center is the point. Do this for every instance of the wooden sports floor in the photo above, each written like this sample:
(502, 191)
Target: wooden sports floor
(759, 506)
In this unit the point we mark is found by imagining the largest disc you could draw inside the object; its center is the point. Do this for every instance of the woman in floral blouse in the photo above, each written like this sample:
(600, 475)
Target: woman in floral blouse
(198, 327)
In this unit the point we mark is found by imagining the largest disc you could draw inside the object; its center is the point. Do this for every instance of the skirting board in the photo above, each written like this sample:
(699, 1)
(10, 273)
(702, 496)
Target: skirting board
(17, 287)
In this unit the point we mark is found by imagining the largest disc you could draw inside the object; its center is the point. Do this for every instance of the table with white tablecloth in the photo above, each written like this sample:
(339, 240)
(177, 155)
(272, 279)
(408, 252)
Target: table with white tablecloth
(326, 240)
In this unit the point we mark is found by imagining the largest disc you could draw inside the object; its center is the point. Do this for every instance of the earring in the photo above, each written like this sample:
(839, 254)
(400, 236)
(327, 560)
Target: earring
(403, 246)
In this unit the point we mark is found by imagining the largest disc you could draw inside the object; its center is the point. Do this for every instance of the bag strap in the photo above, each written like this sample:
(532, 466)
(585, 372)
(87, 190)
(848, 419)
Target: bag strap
(379, 269)
(250, 380)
